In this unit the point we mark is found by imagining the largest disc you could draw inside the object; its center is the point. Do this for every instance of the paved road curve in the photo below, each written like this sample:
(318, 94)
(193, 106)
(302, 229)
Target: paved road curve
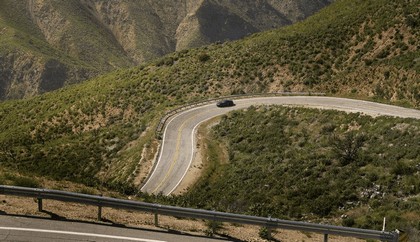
(46, 230)
(178, 144)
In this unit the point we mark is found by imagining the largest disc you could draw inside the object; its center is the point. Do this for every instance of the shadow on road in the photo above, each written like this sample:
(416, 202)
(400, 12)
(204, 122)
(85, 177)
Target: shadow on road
(229, 238)
(54, 216)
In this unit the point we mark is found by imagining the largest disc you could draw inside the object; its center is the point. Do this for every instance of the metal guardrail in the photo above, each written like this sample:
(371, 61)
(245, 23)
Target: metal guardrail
(170, 113)
(269, 223)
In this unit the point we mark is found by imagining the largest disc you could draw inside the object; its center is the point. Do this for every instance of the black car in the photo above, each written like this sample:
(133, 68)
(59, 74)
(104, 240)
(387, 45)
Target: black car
(225, 103)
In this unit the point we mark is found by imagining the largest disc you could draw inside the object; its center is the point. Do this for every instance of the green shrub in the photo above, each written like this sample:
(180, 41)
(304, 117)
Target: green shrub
(22, 181)
(348, 222)
(203, 57)
(347, 147)
(401, 168)
(282, 162)
(87, 190)
(213, 227)
(264, 233)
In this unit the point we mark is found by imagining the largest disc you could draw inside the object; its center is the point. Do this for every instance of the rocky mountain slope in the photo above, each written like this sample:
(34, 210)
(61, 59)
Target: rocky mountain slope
(45, 45)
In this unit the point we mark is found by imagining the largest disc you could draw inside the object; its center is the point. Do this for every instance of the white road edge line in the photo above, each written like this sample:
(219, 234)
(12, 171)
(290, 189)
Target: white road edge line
(161, 148)
(163, 143)
(192, 157)
(78, 233)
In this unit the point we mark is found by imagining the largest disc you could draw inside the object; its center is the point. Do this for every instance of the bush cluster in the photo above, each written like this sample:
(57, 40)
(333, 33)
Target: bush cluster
(302, 164)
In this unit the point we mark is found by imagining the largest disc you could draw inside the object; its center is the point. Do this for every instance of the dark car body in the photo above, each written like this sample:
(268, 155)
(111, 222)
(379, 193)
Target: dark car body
(225, 103)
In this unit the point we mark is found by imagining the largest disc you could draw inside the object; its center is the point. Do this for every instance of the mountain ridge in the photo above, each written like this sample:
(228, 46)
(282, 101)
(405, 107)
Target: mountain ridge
(87, 37)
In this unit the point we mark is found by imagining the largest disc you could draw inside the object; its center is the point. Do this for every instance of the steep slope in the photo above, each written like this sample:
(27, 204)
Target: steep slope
(45, 45)
(283, 162)
(97, 132)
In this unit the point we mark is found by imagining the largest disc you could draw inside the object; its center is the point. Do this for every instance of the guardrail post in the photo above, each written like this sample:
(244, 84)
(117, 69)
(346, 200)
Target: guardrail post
(100, 211)
(396, 235)
(39, 204)
(156, 219)
(213, 227)
(269, 230)
(325, 237)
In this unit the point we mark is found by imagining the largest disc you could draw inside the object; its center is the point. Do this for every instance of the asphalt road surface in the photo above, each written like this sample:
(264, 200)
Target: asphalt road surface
(178, 144)
(44, 230)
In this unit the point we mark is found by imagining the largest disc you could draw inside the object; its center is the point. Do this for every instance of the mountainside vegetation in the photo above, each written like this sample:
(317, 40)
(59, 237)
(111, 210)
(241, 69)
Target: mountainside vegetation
(309, 164)
(45, 45)
(100, 132)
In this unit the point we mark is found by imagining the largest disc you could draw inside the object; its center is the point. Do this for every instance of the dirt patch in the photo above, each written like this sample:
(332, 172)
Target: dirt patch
(149, 155)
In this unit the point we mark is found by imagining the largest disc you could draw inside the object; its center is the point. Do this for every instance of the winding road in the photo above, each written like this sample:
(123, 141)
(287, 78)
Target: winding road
(178, 144)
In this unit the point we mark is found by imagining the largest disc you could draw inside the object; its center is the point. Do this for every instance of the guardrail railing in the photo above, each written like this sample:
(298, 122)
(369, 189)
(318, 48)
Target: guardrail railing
(157, 209)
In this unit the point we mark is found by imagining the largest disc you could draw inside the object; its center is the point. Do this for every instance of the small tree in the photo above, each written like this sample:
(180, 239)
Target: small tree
(212, 227)
(203, 57)
(7, 151)
(264, 233)
(348, 146)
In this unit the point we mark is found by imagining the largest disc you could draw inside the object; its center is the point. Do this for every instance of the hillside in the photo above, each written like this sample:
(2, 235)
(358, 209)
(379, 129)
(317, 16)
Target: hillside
(101, 132)
(307, 164)
(45, 45)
